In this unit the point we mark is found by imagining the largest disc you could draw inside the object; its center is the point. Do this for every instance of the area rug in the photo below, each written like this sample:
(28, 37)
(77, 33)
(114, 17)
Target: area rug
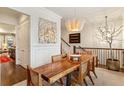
(5, 59)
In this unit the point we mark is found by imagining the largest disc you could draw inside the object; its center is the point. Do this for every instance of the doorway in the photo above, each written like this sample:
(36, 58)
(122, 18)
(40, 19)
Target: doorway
(14, 46)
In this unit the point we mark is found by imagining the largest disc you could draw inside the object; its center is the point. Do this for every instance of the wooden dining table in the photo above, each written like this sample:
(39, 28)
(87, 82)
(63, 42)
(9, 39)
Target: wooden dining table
(52, 72)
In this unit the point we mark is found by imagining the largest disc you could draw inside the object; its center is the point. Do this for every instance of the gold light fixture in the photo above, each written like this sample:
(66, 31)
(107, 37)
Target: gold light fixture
(74, 24)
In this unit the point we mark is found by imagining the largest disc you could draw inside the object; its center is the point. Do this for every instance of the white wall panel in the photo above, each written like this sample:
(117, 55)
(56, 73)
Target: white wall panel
(41, 53)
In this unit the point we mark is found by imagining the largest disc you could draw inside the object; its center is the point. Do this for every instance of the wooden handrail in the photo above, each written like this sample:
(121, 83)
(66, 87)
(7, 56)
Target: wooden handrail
(98, 48)
(65, 42)
(104, 53)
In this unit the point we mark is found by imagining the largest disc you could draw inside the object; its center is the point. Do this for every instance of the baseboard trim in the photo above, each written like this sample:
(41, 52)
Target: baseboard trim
(122, 69)
(104, 66)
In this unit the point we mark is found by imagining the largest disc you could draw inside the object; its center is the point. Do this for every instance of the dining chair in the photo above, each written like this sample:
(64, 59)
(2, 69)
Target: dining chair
(56, 58)
(32, 77)
(93, 63)
(80, 75)
(60, 57)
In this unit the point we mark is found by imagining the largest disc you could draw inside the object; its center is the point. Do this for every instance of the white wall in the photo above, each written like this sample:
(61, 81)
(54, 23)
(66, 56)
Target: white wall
(116, 43)
(89, 38)
(123, 30)
(89, 35)
(41, 53)
(23, 41)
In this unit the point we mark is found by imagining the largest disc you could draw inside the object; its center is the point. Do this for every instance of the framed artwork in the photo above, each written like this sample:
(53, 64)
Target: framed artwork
(74, 38)
(47, 31)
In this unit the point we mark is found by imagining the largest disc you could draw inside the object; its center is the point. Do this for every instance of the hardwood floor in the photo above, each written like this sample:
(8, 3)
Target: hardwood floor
(105, 78)
(103, 66)
(17, 75)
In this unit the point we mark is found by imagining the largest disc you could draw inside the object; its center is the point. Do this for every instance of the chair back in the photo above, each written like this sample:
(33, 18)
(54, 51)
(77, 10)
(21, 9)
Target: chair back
(60, 57)
(56, 58)
(80, 74)
(83, 70)
(33, 77)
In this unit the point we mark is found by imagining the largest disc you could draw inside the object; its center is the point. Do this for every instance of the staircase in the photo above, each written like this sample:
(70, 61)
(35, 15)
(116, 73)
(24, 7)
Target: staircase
(65, 47)
(104, 53)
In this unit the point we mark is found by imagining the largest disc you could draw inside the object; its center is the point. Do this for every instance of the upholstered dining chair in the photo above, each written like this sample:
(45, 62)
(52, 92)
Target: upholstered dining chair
(32, 77)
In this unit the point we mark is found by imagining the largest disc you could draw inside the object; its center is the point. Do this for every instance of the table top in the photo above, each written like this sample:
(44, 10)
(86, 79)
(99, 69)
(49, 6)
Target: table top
(53, 71)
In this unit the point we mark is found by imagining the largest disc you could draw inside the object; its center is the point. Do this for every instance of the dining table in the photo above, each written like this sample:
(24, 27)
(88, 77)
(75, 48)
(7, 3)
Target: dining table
(52, 72)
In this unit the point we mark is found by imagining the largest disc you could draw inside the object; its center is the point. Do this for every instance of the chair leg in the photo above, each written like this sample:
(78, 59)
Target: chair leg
(61, 81)
(94, 74)
(91, 79)
(85, 82)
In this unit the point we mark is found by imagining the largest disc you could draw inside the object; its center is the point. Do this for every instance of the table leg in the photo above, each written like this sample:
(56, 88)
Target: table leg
(68, 80)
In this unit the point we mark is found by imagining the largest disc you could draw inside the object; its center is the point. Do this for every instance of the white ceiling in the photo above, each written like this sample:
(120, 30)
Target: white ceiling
(88, 13)
(12, 17)
(10, 12)
(7, 28)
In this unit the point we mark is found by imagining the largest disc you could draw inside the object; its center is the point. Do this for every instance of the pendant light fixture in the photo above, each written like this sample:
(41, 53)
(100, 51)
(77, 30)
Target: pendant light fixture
(74, 24)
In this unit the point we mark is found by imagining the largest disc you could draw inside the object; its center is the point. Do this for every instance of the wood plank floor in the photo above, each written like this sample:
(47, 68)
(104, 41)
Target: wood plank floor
(105, 78)
(19, 74)
(104, 66)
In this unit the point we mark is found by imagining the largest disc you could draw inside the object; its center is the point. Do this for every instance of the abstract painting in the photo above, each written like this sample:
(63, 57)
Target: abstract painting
(47, 31)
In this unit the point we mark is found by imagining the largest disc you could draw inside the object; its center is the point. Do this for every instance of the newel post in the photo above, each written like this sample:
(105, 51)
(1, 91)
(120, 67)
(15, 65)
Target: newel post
(123, 57)
(74, 49)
